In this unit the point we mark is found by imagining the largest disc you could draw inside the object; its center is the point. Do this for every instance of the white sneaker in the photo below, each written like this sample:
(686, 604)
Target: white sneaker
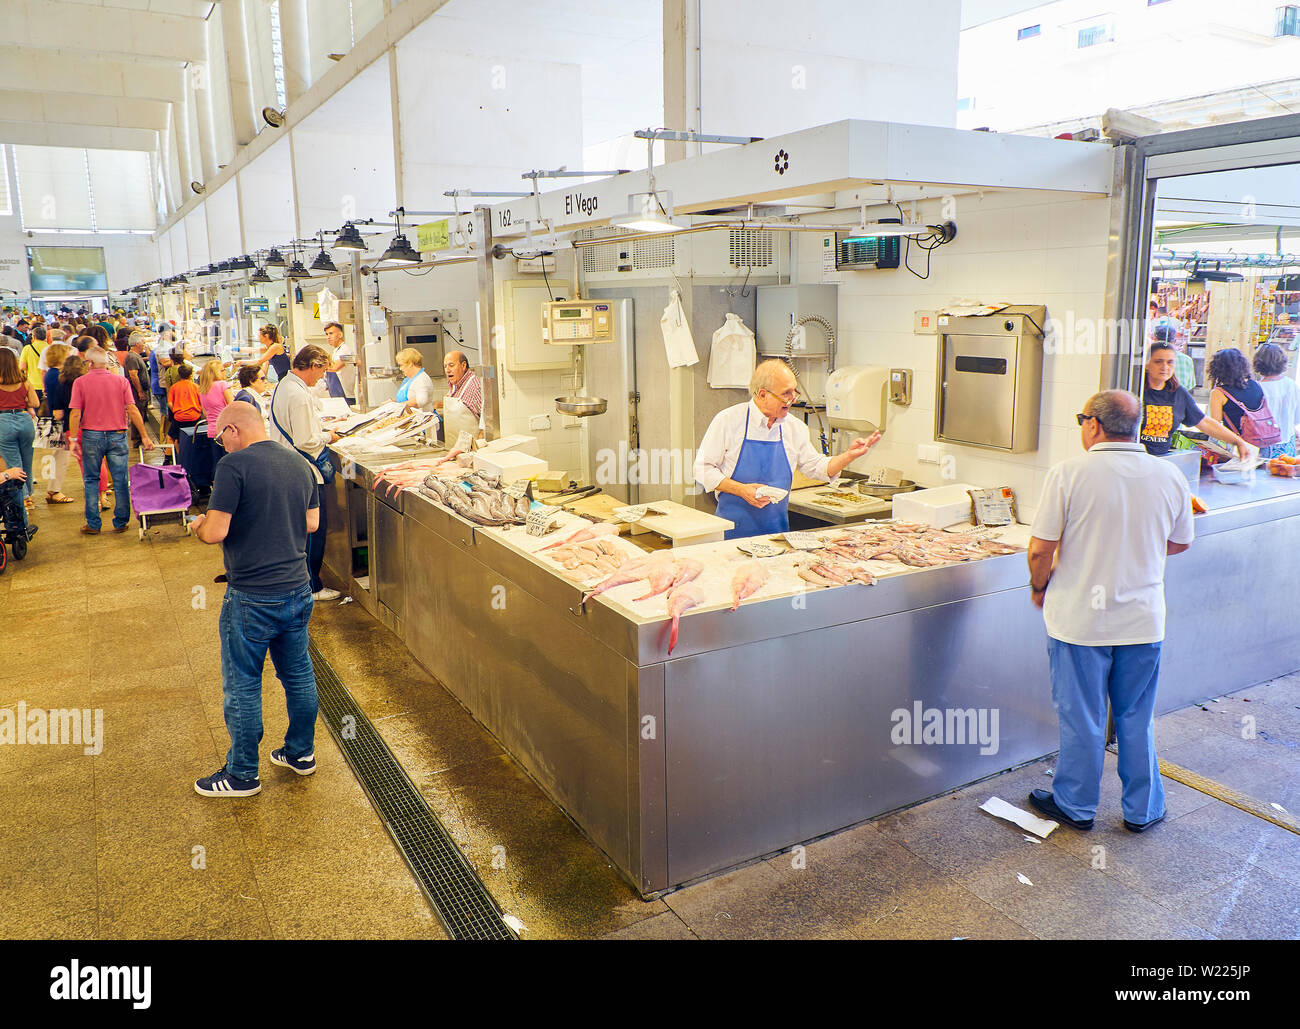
(326, 594)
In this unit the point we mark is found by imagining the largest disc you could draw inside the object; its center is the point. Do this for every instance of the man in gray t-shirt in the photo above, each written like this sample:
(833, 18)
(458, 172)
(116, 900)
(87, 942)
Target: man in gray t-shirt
(264, 503)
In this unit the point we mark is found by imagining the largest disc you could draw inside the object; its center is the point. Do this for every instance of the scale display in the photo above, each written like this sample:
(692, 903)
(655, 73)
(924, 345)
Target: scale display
(577, 321)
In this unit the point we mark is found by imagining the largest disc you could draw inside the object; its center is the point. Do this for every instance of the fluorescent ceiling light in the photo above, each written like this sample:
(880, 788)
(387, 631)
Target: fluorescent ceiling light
(875, 230)
(647, 214)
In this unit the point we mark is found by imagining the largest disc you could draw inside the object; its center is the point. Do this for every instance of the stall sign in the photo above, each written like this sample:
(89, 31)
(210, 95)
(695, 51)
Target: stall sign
(433, 236)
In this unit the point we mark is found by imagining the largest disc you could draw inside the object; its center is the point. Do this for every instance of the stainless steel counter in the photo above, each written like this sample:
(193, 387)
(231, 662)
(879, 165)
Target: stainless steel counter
(775, 724)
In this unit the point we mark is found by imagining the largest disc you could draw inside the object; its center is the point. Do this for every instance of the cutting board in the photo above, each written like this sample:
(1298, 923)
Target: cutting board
(684, 525)
(599, 507)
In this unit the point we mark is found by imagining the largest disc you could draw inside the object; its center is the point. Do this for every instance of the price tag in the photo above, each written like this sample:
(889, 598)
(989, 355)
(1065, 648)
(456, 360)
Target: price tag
(758, 548)
(773, 493)
(631, 515)
(803, 541)
(993, 506)
(464, 441)
(518, 489)
(541, 519)
(660, 508)
(884, 477)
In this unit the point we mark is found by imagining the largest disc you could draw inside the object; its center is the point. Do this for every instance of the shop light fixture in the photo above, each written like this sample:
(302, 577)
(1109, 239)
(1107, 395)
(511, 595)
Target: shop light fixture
(242, 264)
(400, 251)
(349, 239)
(946, 231)
(323, 263)
(259, 276)
(296, 270)
(646, 213)
(274, 259)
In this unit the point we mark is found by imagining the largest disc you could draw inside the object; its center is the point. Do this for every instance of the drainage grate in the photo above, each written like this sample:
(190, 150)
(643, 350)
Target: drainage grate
(461, 902)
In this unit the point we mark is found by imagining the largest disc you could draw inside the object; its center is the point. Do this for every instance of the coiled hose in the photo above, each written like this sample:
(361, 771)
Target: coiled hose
(830, 365)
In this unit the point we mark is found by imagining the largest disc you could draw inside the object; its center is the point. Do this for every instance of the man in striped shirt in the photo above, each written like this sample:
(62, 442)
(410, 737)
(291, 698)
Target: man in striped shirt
(462, 407)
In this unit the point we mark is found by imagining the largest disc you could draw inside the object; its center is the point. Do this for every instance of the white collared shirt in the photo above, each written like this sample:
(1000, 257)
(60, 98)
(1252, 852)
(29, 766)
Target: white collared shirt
(719, 450)
(1112, 508)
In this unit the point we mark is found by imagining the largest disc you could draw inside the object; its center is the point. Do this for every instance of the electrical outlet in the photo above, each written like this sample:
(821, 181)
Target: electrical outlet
(929, 453)
(539, 422)
(925, 323)
(451, 314)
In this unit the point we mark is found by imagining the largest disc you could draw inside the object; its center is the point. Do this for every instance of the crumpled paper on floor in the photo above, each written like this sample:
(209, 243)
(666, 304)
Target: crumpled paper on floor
(999, 808)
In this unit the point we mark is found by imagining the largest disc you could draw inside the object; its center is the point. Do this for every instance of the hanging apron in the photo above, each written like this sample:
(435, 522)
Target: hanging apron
(766, 463)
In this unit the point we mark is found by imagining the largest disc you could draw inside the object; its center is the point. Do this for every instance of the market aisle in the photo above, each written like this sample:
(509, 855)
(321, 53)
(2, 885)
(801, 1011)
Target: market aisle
(118, 845)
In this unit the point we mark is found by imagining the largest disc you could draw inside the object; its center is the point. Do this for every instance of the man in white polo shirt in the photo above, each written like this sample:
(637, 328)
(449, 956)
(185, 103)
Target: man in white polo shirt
(1108, 517)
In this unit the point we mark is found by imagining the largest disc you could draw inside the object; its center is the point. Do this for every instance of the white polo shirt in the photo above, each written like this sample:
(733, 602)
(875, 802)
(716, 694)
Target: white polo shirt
(1112, 508)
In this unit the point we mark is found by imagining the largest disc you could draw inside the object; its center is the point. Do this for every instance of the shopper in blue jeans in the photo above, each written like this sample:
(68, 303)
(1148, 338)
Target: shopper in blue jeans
(1106, 521)
(101, 406)
(264, 503)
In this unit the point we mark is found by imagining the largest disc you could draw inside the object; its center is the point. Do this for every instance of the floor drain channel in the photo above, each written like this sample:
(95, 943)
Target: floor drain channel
(465, 908)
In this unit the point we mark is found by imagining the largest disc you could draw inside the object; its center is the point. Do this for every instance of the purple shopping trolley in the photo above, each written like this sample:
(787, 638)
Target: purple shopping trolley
(159, 489)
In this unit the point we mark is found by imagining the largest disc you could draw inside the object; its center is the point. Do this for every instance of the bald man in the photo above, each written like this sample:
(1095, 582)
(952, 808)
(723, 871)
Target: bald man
(1106, 521)
(462, 407)
(264, 504)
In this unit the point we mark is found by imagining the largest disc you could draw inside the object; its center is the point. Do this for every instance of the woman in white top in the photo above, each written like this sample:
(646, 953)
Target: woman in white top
(1283, 397)
(416, 391)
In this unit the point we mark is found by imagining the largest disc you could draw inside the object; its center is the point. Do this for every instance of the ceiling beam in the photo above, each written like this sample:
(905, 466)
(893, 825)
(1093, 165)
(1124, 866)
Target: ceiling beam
(56, 25)
(96, 137)
(82, 109)
(62, 71)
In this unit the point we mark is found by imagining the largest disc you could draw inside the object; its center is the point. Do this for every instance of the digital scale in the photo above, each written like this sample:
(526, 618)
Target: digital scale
(577, 321)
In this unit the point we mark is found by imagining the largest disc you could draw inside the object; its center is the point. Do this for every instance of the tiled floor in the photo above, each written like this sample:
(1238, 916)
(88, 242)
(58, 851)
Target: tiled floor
(117, 845)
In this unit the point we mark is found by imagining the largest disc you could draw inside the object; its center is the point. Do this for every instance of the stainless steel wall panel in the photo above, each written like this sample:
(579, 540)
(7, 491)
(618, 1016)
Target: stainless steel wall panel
(783, 740)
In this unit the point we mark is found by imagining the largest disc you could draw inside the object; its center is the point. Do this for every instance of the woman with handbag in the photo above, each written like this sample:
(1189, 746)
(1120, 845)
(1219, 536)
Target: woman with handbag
(57, 395)
(1238, 401)
(17, 419)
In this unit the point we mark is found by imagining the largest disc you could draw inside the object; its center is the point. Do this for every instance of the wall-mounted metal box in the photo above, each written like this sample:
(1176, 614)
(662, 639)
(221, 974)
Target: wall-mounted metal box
(990, 383)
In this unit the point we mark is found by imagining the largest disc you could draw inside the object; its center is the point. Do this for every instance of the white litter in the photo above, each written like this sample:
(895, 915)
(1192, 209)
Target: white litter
(1023, 879)
(345, 600)
(514, 923)
(999, 808)
(1032, 839)
(1279, 807)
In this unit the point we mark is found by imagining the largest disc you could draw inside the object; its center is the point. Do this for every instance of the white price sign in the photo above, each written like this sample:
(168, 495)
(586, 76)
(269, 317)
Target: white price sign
(803, 541)
(541, 519)
(631, 514)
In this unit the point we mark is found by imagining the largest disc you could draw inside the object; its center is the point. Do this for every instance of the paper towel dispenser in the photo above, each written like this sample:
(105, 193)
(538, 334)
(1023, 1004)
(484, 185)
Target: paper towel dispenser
(990, 382)
(857, 397)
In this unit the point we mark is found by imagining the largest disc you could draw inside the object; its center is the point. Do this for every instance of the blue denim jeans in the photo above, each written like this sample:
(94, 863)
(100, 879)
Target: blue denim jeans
(251, 625)
(96, 447)
(17, 434)
(1083, 678)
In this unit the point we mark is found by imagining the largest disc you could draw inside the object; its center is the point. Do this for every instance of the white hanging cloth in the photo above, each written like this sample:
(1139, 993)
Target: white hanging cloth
(678, 342)
(328, 304)
(732, 355)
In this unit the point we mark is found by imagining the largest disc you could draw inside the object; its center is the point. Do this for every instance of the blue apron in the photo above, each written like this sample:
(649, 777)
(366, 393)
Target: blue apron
(766, 463)
(334, 384)
(404, 390)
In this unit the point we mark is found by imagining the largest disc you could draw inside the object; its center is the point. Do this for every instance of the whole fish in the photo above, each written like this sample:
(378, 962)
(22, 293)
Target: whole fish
(686, 570)
(590, 532)
(747, 581)
(679, 600)
(630, 571)
(661, 578)
(809, 575)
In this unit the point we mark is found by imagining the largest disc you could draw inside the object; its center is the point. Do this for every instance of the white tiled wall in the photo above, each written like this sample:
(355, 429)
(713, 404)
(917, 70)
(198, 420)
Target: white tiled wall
(1022, 247)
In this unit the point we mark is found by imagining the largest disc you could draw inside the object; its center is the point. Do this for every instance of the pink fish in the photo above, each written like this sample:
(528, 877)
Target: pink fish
(661, 577)
(679, 600)
(588, 533)
(686, 570)
(630, 571)
(747, 581)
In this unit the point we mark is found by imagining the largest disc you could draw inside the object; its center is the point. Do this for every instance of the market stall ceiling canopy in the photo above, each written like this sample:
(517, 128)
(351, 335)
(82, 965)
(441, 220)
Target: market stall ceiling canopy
(844, 155)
